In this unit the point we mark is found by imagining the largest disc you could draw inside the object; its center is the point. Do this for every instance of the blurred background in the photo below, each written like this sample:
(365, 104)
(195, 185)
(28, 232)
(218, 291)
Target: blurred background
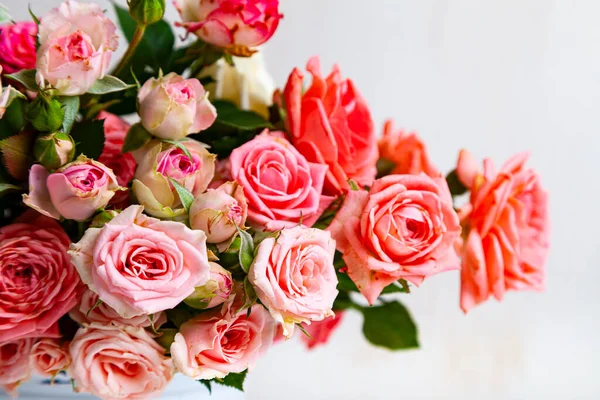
(495, 77)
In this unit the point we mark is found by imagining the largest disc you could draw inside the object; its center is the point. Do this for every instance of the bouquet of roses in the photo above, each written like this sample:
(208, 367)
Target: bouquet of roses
(230, 214)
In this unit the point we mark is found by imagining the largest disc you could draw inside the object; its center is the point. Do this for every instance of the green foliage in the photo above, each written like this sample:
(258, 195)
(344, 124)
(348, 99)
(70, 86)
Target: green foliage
(178, 316)
(232, 380)
(391, 326)
(137, 137)
(185, 196)
(455, 185)
(109, 84)
(13, 121)
(4, 14)
(26, 78)
(6, 188)
(230, 115)
(146, 12)
(89, 138)
(70, 105)
(246, 253)
(45, 113)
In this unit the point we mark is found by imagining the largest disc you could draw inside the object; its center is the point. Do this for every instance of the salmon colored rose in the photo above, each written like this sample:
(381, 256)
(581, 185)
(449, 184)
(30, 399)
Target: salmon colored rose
(508, 230)
(320, 332)
(17, 46)
(14, 363)
(50, 356)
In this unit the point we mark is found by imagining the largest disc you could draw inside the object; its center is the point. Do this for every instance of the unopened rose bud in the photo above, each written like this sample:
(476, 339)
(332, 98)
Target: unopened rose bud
(54, 150)
(45, 114)
(146, 12)
(102, 218)
(214, 292)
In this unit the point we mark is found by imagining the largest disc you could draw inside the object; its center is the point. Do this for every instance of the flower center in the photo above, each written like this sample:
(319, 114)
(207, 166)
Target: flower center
(174, 163)
(78, 46)
(181, 92)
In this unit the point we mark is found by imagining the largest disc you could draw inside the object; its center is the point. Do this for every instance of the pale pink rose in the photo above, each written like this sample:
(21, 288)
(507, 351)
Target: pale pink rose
(294, 276)
(89, 310)
(14, 363)
(219, 212)
(331, 124)
(508, 230)
(172, 107)
(406, 150)
(221, 341)
(17, 46)
(38, 283)
(215, 292)
(158, 162)
(118, 363)
(320, 332)
(233, 24)
(405, 227)
(76, 44)
(141, 265)
(282, 188)
(49, 357)
(74, 191)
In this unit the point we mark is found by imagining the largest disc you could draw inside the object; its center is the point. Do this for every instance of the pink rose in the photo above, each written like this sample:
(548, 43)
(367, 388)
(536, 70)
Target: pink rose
(405, 227)
(213, 293)
(158, 163)
(172, 107)
(38, 283)
(282, 188)
(118, 363)
(294, 276)
(141, 265)
(88, 310)
(508, 230)
(222, 173)
(233, 24)
(74, 191)
(407, 151)
(331, 124)
(320, 332)
(14, 363)
(76, 43)
(218, 342)
(49, 357)
(17, 46)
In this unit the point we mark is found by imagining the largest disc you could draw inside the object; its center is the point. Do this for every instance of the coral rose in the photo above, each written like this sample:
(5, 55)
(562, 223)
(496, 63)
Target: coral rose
(14, 363)
(49, 357)
(17, 46)
(320, 331)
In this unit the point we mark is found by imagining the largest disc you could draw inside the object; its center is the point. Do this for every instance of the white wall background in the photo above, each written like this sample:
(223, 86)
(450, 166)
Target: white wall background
(497, 77)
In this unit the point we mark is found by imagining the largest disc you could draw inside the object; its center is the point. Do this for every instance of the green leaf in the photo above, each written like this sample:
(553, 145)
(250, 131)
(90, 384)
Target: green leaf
(250, 297)
(228, 114)
(246, 253)
(16, 154)
(33, 16)
(207, 384)
(89, 138)
(96, 305)
(384, 167)
(178, 316)
(185, 196)
(109, 84)
(14, 118)
(71, 108)
(25, 77)
(391, 326)
(137, 137)
(455, 185)
(166, 337)
(8, 188)
(232, 380)
(395, 288)
(4, 14)
(181, 147)
(345, 284)
(353, 185)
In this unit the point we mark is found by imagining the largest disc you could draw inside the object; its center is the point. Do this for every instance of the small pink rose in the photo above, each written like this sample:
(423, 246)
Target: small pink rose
(320, 332)
(17, 46)
(14, 363)
(49, 357)
(213, 293)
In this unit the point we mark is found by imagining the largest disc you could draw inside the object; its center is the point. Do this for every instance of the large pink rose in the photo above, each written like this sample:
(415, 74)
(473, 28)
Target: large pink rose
(118, 363)
(38, 283)
(17, 46)
(76, 44)
(405, 227)
(14, 363)
(282, 188)
(294, 276)
(508, 230)
(331, 124)
(141, 265)
(218, 342)
(320, 332)
(406, 150)
(75, 191)
(50, 356)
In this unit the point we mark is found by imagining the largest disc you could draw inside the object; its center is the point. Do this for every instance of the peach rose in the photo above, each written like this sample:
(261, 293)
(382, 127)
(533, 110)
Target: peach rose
(14, 363)
(320, 332)
(140, 265)
(405, 227)
(49, 357)
(508, 230)
(294, 276)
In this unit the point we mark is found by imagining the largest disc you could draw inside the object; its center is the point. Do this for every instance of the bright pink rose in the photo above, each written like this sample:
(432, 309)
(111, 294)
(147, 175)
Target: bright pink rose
(172, 107)
(407, 151)
(405, 227)
(17, 46)
(233, 24)
(218, 342)
(49, 357)
(38, 283)
(74, 191)
(331, 124)
(508, 230)
(118, 363)
(294, 276)
(14, 363)
(76, 44)
(282, 188)
(141, 265)
(321, 331)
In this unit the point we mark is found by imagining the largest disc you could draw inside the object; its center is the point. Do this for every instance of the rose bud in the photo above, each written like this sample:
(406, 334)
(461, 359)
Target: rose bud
(45, 114)
(215, 292)
(172, 107)
(102, 218)
(17, 46)
(146, 12)
(54, 150)
(219, 212)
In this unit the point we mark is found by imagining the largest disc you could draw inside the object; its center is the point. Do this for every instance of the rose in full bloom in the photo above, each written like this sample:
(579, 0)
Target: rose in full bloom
(406, 151)
(320, 332)
(294, 276)
(76, 44)
(38, 283)
(405, 227)
(49, 357)
(141, 265)
(158, 163)
(233, 24)
(220, 341)
(172, 107)
(331, 124)
(281, 186)
(17, 46)
(75, 191)
(508, 230)
(118, 363)
(14, 363)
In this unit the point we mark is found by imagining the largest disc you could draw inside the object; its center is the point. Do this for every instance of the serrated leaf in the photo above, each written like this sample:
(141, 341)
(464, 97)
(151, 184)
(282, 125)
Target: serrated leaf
(16, 151)
(232, 380)
(137, 137)
(246, 254)
(207, 384)
(181, 147)
(89, 138)
(109, 84)
(229, 114)
(26, 78)
(391, 326)
(71, 109)
(186, 197)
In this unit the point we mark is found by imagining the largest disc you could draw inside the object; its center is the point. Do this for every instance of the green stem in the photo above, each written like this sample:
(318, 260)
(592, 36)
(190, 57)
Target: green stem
(133, 44)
